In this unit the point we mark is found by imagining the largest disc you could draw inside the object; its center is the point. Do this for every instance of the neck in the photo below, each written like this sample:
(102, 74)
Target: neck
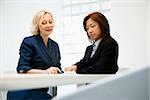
(45, 39)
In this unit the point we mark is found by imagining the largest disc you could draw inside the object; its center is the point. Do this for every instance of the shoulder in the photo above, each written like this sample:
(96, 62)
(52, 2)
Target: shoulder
(89, 47)
(29, 38)
(109, 41)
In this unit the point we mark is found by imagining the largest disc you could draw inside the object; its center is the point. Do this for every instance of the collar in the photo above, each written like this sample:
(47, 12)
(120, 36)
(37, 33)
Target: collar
(96, 43)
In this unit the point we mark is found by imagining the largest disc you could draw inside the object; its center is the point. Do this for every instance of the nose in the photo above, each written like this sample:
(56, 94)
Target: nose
(48, 24)
(89, 31)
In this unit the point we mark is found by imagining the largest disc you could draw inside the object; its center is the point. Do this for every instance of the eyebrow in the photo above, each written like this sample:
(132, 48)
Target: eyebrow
(91, 24)
(46, 20)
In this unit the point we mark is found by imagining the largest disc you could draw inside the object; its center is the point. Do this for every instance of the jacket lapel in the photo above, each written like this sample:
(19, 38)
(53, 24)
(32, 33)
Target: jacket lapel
(88, 52)
(43, 48)
(98, 48)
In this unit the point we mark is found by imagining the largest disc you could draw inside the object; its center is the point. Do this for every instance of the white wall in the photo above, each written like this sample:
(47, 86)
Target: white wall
(130, 28)
(0, 38)
(148, 30)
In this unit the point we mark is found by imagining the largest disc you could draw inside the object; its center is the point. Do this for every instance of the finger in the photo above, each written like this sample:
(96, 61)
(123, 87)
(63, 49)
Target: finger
(58, 70)
(55, 71)
(51, 71)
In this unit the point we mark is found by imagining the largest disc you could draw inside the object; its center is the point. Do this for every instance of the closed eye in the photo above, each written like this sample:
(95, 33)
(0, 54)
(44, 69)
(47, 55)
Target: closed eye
(44, 22)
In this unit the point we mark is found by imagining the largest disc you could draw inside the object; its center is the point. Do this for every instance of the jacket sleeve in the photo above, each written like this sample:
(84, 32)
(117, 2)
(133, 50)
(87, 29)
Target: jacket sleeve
(26, 53)
(59, 58)
(87, 54)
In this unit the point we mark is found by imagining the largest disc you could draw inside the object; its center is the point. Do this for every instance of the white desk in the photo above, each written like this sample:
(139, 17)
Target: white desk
(16, 81)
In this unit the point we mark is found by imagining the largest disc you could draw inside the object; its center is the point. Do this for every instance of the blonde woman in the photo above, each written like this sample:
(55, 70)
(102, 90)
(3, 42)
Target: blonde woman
(38, 54)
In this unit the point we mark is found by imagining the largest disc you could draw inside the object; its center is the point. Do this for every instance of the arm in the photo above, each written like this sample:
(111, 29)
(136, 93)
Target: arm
(26, 53)
(81, 62)
(51, 70)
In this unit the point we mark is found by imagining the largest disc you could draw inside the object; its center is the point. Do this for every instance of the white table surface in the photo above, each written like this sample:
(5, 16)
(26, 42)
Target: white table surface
(14, 81)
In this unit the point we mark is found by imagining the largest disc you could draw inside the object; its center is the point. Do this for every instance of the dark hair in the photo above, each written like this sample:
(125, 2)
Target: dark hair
(101, 20)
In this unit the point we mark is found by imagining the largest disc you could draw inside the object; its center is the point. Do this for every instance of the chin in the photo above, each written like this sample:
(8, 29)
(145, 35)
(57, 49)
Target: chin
(48, 33)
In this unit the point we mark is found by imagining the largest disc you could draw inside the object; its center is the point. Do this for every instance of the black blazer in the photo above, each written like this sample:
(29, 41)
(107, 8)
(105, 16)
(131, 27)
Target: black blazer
(104, 61)
(35, 55)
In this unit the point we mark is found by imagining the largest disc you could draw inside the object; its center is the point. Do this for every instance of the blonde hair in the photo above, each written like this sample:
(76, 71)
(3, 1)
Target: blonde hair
(36, 19)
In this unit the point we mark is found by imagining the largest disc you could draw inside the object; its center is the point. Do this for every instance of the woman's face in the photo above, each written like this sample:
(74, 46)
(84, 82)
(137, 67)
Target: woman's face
(46, 25)
(93, 29)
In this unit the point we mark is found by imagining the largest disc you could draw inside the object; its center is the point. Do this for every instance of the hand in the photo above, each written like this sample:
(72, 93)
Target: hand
(53, 70)
(71, 68)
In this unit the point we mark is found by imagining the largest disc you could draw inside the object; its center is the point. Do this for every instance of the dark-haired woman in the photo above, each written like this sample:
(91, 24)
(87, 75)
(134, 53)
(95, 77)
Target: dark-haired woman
(100, 57)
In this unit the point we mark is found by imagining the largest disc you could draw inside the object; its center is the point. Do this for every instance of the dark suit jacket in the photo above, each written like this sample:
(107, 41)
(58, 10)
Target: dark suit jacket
(35, 55)
(104, 61)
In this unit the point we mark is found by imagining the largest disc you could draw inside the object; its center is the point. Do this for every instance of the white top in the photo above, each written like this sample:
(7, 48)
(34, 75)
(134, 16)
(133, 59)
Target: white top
(95, 46)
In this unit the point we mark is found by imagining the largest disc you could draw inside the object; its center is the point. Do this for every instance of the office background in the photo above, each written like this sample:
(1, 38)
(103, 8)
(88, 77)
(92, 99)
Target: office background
(129, 21)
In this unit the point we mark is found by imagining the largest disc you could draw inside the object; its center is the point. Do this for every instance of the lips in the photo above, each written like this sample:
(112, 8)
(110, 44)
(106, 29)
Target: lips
(92, 36)
(48, 29)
